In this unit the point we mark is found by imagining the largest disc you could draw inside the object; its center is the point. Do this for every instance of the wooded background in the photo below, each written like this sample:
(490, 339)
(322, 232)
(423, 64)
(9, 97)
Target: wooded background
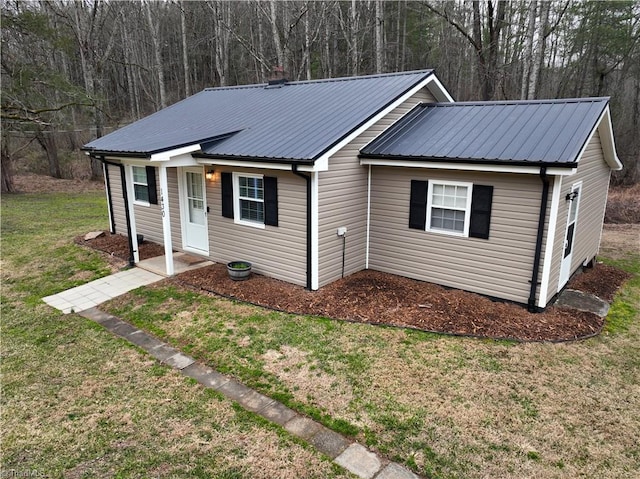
(74, 70)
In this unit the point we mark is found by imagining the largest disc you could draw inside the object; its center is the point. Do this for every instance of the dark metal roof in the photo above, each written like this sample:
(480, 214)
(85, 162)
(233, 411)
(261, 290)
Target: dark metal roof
(537, 132)
(294, 121)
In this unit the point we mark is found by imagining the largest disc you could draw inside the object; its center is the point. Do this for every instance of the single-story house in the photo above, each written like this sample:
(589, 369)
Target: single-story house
(314, 180)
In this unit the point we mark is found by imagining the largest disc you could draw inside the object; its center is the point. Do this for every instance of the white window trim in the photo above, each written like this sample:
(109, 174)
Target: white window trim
(467, 210)
(134, 183)
(236, 200)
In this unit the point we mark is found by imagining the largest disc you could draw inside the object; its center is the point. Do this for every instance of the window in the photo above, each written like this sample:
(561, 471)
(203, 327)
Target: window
(251, 197)
(448, 208)
(250, 200)
(140, 185)
(455, 208)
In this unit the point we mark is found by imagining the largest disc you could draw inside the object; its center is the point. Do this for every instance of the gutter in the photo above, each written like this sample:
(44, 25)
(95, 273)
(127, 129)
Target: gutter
(125, 196)
(531, 304)
(294, 170)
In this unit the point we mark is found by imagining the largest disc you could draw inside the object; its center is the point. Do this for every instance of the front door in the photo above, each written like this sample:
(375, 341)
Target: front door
(194, 211)
(570, 234)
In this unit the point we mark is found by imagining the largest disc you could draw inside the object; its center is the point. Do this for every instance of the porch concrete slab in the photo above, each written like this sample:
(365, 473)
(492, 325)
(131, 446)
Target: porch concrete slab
(205, 376)
(181, 262)
(395, 471)
(278, 413)
(328, 442)
(96, 292)
(254, 401)
(303, 427)
(179, 361)
(358, 460)
(583, 302)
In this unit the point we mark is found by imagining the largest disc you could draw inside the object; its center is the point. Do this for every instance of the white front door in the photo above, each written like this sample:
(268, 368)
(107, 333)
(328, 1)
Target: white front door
(570, 234)
(193, 206)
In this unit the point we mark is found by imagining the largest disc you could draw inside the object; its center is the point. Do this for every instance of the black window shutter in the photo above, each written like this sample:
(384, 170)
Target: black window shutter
(271, 200)
(418, 204)
(151, 182)
(227, 195)
(481, 201)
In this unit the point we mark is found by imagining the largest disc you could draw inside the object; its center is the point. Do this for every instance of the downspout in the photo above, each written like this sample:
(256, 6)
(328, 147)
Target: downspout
(125, 196)
(294, 170)
(107, 182)
(538, 253)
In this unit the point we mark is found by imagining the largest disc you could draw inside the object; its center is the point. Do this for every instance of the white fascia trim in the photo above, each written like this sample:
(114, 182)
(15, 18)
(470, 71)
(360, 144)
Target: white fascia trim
(532, 170)
(606, 139)
(346, 140)
(314, 233)
(166, 220)
(167, 155)
(263, 165)
(439, 91)
(551, 237)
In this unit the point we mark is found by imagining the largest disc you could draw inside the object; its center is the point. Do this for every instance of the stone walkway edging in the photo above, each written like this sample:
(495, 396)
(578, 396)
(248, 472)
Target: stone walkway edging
(349, 454)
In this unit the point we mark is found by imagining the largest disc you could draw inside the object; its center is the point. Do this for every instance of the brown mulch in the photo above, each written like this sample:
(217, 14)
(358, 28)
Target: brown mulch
(380, 298)
(117, 245)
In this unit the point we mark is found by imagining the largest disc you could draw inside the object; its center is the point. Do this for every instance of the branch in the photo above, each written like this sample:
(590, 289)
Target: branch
(454, 24)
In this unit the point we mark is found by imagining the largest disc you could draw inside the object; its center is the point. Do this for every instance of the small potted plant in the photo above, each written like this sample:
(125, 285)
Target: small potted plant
(239, 270)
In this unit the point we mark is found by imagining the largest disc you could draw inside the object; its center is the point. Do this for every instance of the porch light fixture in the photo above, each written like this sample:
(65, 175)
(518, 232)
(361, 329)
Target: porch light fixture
(209, 174)
(571, 196)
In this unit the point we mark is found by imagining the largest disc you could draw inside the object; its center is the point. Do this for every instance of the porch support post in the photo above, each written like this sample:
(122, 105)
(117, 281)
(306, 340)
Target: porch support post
(166, 220)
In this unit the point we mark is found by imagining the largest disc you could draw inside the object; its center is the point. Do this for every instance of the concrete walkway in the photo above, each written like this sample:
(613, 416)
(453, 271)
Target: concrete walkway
(97, 292)
(348, 454)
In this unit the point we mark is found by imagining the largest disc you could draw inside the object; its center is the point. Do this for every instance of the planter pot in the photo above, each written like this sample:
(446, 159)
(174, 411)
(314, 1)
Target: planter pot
(239, 270)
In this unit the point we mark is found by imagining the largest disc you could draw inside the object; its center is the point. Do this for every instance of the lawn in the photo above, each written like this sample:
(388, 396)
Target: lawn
(78, 402)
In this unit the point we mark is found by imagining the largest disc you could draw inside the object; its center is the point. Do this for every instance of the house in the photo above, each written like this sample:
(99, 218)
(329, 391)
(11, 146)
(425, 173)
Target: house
(314, 180)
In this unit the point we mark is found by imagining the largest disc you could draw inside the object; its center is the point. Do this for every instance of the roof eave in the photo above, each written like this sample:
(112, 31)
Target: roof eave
(468, 161)
(259, 159)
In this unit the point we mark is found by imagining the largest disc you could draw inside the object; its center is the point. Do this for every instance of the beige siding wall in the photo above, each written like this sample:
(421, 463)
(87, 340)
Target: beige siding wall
(279, 252)
(500, 266)
(117, 199)
(174, 208)
(594, 173)
(342, 199)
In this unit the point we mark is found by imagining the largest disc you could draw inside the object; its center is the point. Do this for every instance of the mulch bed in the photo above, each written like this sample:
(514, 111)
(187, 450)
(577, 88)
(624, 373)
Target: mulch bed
(380, 298)
(117, 245)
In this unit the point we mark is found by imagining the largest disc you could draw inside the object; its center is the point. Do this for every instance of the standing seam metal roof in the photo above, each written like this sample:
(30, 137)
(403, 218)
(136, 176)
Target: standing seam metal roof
(522, 132)
(295, 121)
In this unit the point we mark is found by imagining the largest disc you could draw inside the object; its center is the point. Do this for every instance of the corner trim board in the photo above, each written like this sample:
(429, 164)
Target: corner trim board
(551, 236)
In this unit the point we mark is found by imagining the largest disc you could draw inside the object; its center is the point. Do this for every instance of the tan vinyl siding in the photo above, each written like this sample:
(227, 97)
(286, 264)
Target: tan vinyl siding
(174, 208)
(594, 173)
(275, 251)
(500, 266)
(342, 200)
(149, 219)
(117, 199)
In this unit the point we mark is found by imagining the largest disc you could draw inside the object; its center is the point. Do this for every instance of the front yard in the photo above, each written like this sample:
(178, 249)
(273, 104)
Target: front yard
(79, 403)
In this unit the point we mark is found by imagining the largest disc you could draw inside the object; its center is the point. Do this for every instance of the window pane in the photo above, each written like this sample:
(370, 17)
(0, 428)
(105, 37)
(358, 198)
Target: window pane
(141, 192)
(252, 211)
(139, 174)
(450, 220)
(251, 187)
(194, 185)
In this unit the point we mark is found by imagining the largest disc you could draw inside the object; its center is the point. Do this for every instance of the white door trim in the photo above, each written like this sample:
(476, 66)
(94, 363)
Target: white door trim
(565, 262)
(184, 211)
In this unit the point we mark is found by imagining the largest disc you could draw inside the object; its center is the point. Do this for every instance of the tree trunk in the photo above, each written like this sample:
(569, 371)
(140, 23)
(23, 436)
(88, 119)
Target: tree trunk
(528, 51)
(6, 166)
(47, 141)
(379, 28)
(185, 49)
(157, 54)
(538, 54)
(353, 38)
(273, 19)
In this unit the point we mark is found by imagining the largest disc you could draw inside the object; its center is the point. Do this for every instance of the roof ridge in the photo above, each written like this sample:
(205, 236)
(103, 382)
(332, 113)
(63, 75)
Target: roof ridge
(325, 80)
(519, 102)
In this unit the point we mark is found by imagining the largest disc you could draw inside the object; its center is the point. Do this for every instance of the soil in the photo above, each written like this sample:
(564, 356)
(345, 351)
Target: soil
(117, 245)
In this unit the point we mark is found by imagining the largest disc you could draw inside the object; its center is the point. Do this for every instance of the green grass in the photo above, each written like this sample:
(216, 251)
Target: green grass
(78, 402)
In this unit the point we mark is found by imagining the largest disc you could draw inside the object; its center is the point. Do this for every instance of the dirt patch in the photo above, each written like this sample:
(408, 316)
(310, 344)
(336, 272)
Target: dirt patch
(118, 246)
(30, 183)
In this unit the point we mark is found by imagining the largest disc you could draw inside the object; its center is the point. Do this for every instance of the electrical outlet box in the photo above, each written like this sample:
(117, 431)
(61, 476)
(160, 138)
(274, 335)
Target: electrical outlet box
(342, 231)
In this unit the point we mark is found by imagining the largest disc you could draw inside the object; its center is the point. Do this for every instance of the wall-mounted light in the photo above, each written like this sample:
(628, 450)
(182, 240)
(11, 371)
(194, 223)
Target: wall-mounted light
(209, 174)
(571, 196)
